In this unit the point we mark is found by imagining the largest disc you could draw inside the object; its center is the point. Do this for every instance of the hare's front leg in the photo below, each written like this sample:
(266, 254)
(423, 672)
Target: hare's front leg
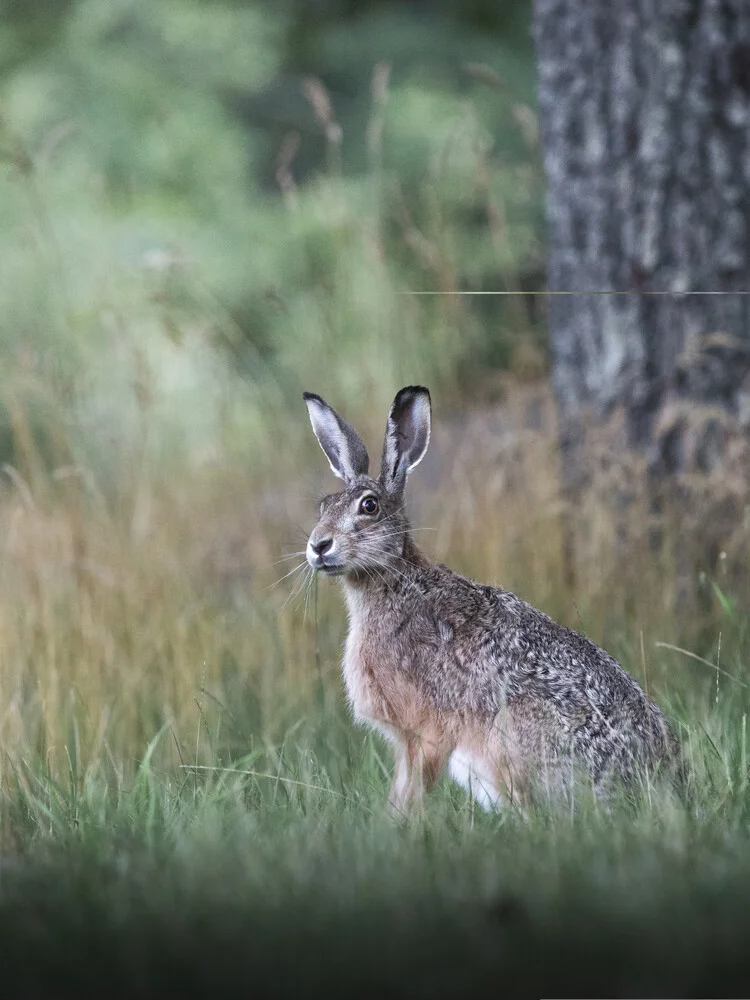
(418, 766)
(401, 787)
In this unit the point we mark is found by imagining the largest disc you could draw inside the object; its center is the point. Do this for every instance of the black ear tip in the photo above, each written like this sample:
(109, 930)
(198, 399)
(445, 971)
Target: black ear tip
(307, 396)
(413, 390)
(409, 393)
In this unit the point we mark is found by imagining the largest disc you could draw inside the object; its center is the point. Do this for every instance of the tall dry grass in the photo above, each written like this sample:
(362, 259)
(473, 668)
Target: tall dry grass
(164, 608)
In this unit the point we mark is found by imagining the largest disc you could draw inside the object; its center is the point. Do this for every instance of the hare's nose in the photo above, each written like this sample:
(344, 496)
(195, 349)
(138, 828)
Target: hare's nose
(320, 548)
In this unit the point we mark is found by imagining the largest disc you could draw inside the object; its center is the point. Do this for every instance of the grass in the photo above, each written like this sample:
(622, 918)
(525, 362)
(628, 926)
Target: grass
(187, 806)
(281, 873)
(185, 803)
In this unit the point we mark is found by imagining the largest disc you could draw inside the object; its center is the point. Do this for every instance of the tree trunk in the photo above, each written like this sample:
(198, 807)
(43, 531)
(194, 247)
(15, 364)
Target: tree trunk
(645, 122)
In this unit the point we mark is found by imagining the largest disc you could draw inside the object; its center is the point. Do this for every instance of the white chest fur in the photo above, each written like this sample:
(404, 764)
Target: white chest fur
(367, 685)
(356, 674)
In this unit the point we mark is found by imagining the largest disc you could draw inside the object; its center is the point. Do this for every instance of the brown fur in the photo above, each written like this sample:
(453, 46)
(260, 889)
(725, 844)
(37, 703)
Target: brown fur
(424, 738)
(453, 672)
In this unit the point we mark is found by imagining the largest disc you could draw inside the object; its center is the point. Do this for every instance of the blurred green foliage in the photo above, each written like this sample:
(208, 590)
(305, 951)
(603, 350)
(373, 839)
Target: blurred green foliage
(268, 177)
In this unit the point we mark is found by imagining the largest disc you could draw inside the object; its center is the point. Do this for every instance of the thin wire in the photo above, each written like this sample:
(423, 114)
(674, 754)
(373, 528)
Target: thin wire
(610, 292)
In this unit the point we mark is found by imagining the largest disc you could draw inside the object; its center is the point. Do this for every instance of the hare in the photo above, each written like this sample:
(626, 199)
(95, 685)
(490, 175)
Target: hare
(454, 673)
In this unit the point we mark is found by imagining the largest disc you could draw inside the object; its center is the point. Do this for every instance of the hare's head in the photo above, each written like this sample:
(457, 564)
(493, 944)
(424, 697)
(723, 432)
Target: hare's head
(363, 528)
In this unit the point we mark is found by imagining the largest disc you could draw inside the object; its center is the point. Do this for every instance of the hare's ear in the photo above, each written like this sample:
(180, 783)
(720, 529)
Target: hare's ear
(343, 447)
(407, 435)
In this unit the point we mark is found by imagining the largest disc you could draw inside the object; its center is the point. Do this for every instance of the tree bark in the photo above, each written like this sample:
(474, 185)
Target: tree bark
(645, 122)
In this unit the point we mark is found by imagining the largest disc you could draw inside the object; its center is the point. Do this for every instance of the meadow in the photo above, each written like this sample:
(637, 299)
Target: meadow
(185, 803)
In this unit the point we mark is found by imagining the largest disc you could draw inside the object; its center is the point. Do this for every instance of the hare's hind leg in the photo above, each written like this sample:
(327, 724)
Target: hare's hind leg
(467, 771)
(419, 762)
(485, 765)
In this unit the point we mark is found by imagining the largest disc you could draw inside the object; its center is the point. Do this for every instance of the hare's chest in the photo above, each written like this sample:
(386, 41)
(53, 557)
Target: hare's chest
(360, 661)
(364, 688)
(379, 691)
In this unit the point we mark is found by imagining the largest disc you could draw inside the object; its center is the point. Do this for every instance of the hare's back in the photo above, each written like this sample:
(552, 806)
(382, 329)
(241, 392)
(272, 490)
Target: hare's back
(509, 651)
(582, 698)
(523, 641)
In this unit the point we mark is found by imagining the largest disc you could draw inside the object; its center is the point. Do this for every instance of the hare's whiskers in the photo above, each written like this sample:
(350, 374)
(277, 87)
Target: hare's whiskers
(298, 588)
(308, 590)
(286, 575)
(290, 555)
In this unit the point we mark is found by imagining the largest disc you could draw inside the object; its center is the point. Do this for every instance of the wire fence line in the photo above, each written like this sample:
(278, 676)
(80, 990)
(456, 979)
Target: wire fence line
(541, 292)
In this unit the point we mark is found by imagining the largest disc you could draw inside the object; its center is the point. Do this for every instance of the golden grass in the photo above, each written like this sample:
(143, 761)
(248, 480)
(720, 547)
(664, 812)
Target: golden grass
(156, 610)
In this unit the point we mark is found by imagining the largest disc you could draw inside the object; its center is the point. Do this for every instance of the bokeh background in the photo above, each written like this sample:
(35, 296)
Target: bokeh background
(208, 208)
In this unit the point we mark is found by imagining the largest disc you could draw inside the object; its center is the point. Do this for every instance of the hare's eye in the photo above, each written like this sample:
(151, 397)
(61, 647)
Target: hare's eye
(369, 506)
